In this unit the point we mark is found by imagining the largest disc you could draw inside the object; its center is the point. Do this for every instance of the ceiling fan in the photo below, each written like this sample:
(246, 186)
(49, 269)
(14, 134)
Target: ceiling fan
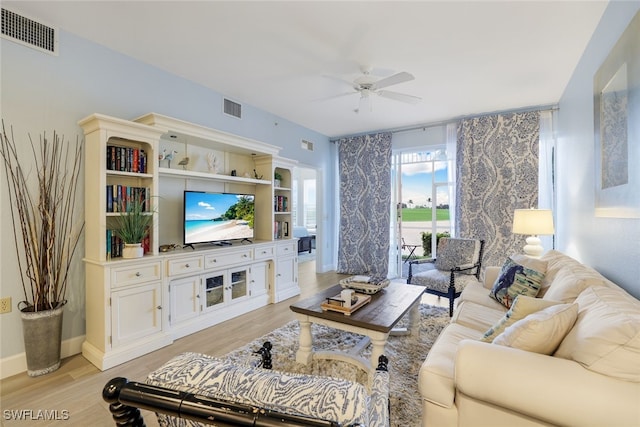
(368, 85)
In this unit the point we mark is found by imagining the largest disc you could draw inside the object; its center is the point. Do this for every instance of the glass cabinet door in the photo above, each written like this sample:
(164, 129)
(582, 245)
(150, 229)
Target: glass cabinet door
(239, 285)
(214, 290)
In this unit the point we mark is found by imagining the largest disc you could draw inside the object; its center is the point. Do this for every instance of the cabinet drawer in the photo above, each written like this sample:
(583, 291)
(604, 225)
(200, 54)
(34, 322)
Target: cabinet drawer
(228, 258)
(286, 249)
(185, 265)
(139, 273)
(263, 253)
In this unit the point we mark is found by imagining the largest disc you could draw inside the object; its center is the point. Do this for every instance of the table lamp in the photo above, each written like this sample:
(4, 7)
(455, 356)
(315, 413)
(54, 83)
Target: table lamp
(533, 222)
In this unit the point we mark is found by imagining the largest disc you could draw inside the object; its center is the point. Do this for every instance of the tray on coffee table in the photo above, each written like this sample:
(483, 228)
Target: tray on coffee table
(335, 303)
(363, 284)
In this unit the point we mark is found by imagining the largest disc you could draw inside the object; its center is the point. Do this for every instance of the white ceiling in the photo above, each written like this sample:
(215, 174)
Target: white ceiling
(467, 57)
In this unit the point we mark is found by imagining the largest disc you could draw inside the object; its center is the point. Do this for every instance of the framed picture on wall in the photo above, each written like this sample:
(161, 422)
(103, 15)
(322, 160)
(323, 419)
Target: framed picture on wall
(617, 128)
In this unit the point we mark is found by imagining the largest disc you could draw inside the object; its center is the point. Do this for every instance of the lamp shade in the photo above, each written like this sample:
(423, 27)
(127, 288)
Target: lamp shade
(533, 222)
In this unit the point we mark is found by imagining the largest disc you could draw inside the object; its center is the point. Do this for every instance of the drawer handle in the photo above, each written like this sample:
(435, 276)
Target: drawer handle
(244, 255)
(214, 260)
(264, 252)
(187, 265)
(138, 274)
(286, 249)
(279, 275)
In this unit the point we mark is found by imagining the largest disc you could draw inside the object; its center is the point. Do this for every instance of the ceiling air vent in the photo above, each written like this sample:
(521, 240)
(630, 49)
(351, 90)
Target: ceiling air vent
(232, 108)
(28, 32)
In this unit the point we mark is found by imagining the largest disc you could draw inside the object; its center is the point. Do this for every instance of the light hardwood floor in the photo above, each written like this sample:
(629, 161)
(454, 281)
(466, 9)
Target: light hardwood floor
(74, 390)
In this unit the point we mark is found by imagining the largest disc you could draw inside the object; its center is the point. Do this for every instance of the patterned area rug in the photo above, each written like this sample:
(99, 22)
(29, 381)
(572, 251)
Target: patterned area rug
(405, 353)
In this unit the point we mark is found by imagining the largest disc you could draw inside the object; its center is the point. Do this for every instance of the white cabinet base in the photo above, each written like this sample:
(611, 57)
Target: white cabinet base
(105, 360)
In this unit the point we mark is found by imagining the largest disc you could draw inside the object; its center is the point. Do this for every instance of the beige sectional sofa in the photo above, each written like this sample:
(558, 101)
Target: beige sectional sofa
(589, 329)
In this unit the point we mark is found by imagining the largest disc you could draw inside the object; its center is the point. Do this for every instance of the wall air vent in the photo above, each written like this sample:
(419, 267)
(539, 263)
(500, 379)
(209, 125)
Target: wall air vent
(232, 108)
(307, 145)
(28, 32)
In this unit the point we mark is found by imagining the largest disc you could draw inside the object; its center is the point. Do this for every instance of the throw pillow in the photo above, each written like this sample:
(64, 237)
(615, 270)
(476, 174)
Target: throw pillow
(540, 332)
(520, 275)
(522, 306)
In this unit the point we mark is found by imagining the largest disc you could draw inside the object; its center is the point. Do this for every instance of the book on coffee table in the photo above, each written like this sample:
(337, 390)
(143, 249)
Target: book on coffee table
(336, 303)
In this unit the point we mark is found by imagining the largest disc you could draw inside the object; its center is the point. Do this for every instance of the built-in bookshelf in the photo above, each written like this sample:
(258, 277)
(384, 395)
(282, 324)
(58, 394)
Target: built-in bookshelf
(134, 306)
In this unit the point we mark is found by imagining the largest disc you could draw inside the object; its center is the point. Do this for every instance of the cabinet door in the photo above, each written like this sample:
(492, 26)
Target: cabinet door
(135, 313)
(185, 299)
(258, 280)
(238, 284)
(214, 290)
(286, 284)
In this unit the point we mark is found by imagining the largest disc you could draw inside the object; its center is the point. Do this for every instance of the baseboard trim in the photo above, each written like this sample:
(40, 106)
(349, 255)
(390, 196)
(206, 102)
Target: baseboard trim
(16, 364)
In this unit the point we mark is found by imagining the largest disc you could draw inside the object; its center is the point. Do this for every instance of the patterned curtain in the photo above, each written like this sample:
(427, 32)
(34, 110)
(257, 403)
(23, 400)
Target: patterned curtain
(364, 164)
(497, 172)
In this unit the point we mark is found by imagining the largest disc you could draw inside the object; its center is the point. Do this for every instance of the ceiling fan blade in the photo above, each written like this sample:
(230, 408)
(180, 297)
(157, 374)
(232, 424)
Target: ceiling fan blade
(393, 80)
(399, 96)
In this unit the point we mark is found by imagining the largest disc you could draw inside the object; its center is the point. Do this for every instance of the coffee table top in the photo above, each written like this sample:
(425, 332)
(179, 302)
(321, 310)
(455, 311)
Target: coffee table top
(384, 311)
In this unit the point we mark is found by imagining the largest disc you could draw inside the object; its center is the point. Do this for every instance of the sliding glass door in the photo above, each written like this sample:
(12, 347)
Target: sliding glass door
(422, 187)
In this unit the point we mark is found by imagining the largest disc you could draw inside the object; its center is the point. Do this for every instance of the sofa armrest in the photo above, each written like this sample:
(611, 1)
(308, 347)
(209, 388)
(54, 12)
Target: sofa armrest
(490, 275)
(555, 390)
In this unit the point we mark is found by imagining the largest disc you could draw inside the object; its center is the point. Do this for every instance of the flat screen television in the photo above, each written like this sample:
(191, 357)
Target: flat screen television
(217, 217)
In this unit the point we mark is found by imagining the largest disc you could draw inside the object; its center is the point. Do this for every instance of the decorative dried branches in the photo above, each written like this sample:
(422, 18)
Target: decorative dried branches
(45, 226)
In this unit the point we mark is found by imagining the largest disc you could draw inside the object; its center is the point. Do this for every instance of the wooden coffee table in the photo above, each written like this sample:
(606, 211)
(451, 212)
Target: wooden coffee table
(374, 320)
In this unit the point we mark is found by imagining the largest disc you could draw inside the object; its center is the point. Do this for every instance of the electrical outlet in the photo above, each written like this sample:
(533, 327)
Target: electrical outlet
(5, 305)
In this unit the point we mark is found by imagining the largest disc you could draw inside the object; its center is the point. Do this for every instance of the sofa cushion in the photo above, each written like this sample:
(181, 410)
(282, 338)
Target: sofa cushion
(556, 261)
(571, 280)
(542, 331)
(436, 377)
(520, 275)
(479, 294)
(522, 306)
(439, 280)
(313, 396)
(477, 316)
(606, 336)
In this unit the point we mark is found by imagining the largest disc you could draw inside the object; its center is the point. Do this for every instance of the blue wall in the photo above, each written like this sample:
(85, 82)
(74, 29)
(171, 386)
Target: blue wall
(610, 245)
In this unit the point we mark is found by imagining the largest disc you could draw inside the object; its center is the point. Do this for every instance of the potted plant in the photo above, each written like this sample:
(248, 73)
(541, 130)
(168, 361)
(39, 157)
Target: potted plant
(132, 225)
(277, 179)
(42, 181)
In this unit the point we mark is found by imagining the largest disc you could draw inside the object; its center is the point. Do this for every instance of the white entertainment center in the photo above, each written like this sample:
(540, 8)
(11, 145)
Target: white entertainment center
(135, 306)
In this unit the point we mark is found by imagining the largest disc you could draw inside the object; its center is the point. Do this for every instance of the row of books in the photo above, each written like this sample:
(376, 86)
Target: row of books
(280, 229)
(281, 204)
(119, 197)
(126, 159)
(115, 245)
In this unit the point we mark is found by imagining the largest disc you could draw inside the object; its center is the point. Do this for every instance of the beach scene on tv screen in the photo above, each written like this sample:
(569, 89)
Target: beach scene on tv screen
(211, 217)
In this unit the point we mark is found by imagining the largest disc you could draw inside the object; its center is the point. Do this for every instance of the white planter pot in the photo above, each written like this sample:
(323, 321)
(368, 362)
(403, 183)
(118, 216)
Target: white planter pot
(132, 250)
(276, 183)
